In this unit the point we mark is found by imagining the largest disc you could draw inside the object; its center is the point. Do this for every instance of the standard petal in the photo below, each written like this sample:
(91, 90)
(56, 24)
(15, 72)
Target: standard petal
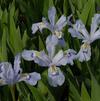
(80, 27)
(33, 78)
(85, 53)
(55, 78)
(95, 23)
(34, 28)
(95, 36)
(68, 20)
(17, 62)
(75, 33)
(68, 57)
(38, 26)
(51, 42)
(61, 23)
(51, 15)
(58, 57)
(42, 59)
(52, 39)
(47, 24)
(28, 55)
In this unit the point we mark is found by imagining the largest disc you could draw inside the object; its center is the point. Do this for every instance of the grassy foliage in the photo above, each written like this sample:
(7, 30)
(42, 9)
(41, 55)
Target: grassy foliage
(16, 18)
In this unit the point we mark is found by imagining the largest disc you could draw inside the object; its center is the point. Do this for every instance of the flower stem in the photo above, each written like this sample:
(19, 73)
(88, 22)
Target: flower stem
(12, 89)
(89, 69)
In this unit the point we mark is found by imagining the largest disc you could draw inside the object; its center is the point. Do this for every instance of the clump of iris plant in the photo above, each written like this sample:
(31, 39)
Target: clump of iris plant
(53, 61)
(55, 28)
(78, 30)
(11, 75)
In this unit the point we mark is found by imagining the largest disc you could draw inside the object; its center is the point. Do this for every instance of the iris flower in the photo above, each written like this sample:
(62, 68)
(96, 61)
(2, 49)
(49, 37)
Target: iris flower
(78, 30)
(53, 61)
(11, 75)
(55, 28)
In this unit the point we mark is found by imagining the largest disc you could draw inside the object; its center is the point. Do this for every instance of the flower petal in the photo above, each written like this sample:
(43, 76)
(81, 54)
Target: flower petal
(61, 23)
(85, 53)
(39, 57)
(51, 42)
(57, 57)
(51, 15)
(68, 20)
(68, 57)
(47, 24)
(95, 36)
(75, 33)
(80, 27)
(42, 59)
(7, 73)
(61, 42)
(95, 23)
(34, 28)
(17, 62)
(23, 76)
(28, 55)
(56, 79)
(52, 39)
(38, 26)
(33, 78)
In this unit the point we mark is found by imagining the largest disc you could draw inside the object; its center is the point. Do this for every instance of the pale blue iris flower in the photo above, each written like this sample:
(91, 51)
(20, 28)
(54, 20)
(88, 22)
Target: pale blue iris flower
(11, 75)
(84, 53)
(53, 61)
(78, 30)
(55, 28)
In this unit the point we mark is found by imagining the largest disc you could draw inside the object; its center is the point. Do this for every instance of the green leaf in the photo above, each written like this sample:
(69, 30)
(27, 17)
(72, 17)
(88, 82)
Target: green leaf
(72, 6)
(95, 89)
(14, 34)
(65, 7)
(92, 12)
(45, 91)
(5, 17)
(41, 43)
(24, 94)
(85, 13)
(0, 13)
(70, 99)
(79, 4)
(37, 96)
(84, 94)
(46, 6)
(74, 94)
(25, 39)
(5, 96)
(3, 47)
(12, 9)
(18, 40)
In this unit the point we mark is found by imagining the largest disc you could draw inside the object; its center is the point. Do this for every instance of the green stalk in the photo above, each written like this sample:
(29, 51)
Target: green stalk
(12, 89)
(43, 41)
(89, 69)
